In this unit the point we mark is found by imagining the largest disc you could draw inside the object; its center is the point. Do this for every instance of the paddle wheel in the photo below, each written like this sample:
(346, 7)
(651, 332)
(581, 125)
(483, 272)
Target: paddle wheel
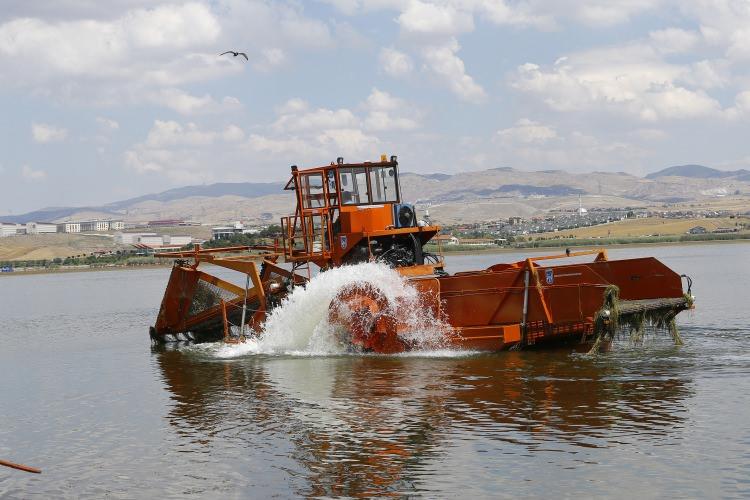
(353, 213)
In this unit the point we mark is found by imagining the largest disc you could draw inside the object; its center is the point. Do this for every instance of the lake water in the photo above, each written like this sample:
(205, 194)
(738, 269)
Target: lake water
(85, 397)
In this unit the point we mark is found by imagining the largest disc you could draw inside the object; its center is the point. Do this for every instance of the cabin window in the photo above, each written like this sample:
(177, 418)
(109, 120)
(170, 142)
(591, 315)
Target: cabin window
(312, 190)
(353, 182)
(333, 193)
(383, 184)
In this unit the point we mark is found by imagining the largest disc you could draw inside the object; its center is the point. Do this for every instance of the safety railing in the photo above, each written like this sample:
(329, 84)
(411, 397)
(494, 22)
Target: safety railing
(306, 236)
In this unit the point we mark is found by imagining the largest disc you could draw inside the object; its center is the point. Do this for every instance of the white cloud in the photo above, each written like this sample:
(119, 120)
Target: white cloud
(395, 63)
(425, 18)
(128, 54)
(142, 161)
(442, 61)
(724, 24)
(294, 145)
(107, 123)
(305, 131)
(631, 80)
(383, 101)
(293, 105)
(32, 175)
(611, 12)
(269, 59)
(527, 132)
(675, 40)
(535, 145)
(172, 133)
(185, 152)
(44, 133)
(388, 113)
(186, 104)
(318, 119)
(99, 49)
(349, 141)
(500, 12)
(304, 32)
(649, 134)
(171, 26)
(741, 108)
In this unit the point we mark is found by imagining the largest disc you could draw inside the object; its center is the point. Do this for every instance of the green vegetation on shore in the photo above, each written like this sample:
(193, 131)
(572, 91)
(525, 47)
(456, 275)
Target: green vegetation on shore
(263, 237)
(90, 261)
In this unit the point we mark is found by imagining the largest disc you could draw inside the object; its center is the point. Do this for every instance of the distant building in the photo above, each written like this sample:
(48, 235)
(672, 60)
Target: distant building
(10, 229)
(166, 223)
(40, 227)
(227, 232)
(514, 221)
(720, 230)
(87, 226)
(477, 242)
(69, 227)
(697, 230)
(153, 241)
(130, 238)
(445, 239)
(177, 241)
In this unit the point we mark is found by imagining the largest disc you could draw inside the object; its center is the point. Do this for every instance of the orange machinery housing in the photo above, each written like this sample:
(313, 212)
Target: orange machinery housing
(352, 213)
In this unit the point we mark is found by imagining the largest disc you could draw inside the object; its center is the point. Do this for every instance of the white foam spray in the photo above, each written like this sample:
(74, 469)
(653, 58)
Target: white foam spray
(300, 326)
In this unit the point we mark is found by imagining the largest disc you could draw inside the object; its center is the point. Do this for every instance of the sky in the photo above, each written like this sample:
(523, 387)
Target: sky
(103, 101)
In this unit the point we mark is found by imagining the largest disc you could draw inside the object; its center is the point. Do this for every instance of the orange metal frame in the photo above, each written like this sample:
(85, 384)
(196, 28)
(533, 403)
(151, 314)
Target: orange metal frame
(504, 305)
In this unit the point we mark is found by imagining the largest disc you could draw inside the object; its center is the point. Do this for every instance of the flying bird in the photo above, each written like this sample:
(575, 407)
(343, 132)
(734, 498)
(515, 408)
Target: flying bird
(235, 54)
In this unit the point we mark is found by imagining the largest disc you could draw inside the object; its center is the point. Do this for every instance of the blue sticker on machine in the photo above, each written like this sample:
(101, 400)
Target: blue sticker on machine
(550, 275)
(343, 242)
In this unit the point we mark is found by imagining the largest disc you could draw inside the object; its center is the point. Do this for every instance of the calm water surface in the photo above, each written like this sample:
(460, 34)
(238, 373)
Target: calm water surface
(85, 397)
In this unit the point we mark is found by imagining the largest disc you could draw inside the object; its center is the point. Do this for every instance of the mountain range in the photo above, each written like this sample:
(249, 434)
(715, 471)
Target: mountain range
(701, 172)
(463, 197)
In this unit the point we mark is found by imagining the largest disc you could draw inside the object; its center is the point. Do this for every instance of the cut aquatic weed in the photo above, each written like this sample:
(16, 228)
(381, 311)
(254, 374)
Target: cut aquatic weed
(610, 322)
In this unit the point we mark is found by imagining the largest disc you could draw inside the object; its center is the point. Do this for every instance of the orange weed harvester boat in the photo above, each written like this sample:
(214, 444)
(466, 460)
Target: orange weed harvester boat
(349, 213)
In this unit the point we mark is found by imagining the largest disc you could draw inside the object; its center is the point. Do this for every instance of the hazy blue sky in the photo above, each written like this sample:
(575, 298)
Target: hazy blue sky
(106, 100)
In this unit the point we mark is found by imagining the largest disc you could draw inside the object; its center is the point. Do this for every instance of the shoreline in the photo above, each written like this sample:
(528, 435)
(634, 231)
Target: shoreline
(484, 251)
(561, 248)
(77, 269)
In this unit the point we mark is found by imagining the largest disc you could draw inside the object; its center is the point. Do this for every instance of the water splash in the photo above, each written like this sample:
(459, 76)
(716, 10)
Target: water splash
(300, 326)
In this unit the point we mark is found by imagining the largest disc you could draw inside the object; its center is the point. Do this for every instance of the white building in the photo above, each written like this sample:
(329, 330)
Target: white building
(40, 228)
(151, 241)
(95, 225)
(226, 232)
(131, 238)
(445, 239)
(177, 240)
(69, 227)
(9, 229)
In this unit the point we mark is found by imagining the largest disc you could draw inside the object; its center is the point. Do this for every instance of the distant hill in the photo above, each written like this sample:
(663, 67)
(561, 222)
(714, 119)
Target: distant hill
(116, 209)
(465, 196)
(47, 214)
(244, 189)
(701, 172)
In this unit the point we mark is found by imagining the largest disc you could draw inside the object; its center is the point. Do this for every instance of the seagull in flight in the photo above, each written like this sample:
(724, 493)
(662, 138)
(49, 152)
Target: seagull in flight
(235, 54)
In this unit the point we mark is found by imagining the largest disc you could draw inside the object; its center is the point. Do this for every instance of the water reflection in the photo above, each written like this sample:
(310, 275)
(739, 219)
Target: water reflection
(362, 426)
